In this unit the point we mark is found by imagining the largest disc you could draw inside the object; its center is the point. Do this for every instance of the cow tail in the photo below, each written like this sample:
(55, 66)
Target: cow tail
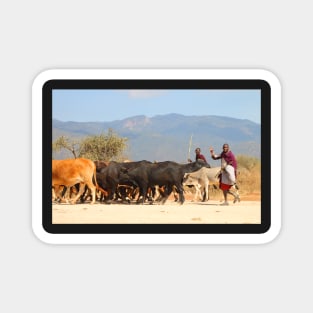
(96, 183)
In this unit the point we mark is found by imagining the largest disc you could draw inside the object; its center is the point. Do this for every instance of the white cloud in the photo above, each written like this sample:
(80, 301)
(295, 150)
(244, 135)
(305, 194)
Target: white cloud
(144, 93)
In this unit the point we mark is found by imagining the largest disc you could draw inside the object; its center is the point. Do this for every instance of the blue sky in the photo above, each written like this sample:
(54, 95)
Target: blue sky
(109, 105)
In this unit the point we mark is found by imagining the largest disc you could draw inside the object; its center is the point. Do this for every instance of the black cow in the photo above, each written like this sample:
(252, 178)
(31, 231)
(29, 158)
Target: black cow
(167, 173)
(109, 177)
(100, 165)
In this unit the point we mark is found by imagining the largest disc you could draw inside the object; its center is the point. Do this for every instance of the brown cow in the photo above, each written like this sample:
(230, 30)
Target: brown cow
(70, 172)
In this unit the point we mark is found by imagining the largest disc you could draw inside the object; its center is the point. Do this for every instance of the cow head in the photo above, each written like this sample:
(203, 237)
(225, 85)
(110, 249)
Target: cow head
(199, 164)
(187, 180)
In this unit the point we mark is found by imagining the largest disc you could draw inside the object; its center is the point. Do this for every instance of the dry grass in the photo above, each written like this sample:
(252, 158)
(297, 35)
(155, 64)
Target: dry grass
(249, 175)
(250, 181)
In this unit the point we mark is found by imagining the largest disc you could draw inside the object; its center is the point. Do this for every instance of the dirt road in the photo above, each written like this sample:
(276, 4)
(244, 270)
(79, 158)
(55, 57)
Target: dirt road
(211, 212)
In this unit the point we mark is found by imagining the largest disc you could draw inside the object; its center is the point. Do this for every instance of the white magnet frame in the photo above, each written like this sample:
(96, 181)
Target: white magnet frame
(37, 131)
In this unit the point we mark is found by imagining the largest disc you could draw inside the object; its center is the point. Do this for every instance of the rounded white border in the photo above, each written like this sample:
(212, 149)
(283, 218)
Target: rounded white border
(268, 76)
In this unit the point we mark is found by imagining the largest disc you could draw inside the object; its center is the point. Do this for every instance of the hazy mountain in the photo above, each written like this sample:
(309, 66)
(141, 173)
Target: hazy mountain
(167, 137)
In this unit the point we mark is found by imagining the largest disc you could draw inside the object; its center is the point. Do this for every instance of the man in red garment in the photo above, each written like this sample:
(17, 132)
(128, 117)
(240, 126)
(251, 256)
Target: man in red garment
(199, 156)
(229, 171)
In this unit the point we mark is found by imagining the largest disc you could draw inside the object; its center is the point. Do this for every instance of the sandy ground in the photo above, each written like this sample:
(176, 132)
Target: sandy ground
(211, 212)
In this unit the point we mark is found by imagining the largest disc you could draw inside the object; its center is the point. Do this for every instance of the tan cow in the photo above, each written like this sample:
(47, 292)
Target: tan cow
(73, 171)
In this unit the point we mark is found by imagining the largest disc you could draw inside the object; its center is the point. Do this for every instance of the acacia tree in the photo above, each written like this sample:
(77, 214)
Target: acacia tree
(64, 142)
(100, 147)
(103, 147)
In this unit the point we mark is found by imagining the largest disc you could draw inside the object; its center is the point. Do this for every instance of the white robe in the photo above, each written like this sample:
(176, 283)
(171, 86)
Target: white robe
(228, 175)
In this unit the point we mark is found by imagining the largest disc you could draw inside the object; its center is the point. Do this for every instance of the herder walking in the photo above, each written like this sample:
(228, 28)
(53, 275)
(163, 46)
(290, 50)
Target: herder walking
(229, 172)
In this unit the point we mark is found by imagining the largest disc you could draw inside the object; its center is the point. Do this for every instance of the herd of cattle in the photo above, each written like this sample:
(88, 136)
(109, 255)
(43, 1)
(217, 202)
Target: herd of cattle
(74, 179)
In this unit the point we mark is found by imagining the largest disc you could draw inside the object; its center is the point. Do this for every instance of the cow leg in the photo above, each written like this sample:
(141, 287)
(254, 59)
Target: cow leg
(111, 194)
(206, 193)
(134, 193)
(85, 195)
(197, 192)
(125, 193)
(153, 192)
(157, 194)
(201, 193)
(60, 193)
(166, 192)
(54, 196)
(111, 185)
(55, 193)
(92, 188)
(80, 192)
(65, 192)
(150, 194)
(204, 196)
(160, 193)
(142, 194)
(175, 194)
(180, 191)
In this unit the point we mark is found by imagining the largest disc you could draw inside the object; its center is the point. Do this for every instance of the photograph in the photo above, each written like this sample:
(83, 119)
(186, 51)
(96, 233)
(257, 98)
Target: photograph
(156, 156)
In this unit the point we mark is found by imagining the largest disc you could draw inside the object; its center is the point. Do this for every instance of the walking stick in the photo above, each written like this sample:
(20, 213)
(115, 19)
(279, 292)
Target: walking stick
(190, 142)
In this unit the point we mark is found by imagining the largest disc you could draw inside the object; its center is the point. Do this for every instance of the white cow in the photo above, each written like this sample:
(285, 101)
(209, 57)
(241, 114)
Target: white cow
(201, 180)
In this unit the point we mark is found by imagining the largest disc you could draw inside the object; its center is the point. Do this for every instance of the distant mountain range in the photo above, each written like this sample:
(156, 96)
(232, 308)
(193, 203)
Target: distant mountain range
(167, 137)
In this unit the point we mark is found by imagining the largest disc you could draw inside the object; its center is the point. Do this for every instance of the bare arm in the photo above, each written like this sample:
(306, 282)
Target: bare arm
(213, 155)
